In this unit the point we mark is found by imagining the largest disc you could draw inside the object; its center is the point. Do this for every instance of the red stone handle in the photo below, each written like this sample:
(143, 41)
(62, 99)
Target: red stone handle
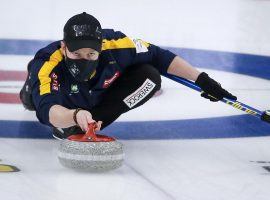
(91, 136)
(91, 133)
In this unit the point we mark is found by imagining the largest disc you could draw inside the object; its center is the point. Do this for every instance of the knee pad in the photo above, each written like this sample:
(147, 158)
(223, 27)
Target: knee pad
(148, 71)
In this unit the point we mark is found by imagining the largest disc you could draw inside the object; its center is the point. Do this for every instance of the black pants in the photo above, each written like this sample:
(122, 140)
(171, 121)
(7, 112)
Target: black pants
(131, 90)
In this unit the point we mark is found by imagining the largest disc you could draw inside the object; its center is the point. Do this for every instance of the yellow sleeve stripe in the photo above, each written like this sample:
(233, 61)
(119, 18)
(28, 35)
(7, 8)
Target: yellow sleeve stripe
(122, 43)
(46, 69)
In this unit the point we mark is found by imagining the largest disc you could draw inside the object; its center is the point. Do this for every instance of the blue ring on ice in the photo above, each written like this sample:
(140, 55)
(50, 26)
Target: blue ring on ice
(218, 127)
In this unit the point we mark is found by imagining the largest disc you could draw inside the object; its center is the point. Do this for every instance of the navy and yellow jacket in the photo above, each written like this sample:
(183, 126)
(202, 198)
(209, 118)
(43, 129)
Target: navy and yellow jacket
(53, 84)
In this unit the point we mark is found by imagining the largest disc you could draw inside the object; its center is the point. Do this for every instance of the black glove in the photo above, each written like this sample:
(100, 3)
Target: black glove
(212, 90)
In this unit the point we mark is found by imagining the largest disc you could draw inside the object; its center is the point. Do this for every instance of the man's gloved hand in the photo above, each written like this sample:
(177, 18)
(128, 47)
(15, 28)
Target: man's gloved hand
(212, 90)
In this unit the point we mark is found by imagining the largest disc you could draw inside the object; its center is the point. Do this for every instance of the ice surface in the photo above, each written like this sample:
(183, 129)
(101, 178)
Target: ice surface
(208, 169)
(162, 169)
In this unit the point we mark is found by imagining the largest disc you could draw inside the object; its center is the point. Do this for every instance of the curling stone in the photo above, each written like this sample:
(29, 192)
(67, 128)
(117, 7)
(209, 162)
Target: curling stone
(91, 151)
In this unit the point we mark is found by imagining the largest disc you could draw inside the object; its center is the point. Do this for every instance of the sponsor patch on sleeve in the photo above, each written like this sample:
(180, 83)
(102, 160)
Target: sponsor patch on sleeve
(140, 46)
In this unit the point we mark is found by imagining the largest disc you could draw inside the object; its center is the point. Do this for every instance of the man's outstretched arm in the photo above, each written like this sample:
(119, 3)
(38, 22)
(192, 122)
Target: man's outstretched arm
(212, 90)
(182, 68)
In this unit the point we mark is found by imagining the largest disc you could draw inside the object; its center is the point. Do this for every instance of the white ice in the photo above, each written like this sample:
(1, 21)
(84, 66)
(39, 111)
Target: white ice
(164, 169)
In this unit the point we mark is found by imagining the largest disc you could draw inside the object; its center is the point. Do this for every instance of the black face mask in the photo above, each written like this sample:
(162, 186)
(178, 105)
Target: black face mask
(81, 69)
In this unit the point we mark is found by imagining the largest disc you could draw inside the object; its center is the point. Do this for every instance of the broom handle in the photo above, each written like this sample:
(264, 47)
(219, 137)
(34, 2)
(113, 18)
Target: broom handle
(236, 104)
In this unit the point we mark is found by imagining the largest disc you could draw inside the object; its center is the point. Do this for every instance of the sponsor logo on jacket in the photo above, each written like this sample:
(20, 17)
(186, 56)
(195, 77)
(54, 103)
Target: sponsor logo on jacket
(108, 82)
(54, 84)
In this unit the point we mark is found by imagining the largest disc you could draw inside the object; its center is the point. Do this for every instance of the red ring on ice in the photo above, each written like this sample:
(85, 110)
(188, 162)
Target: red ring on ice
(6, 75)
